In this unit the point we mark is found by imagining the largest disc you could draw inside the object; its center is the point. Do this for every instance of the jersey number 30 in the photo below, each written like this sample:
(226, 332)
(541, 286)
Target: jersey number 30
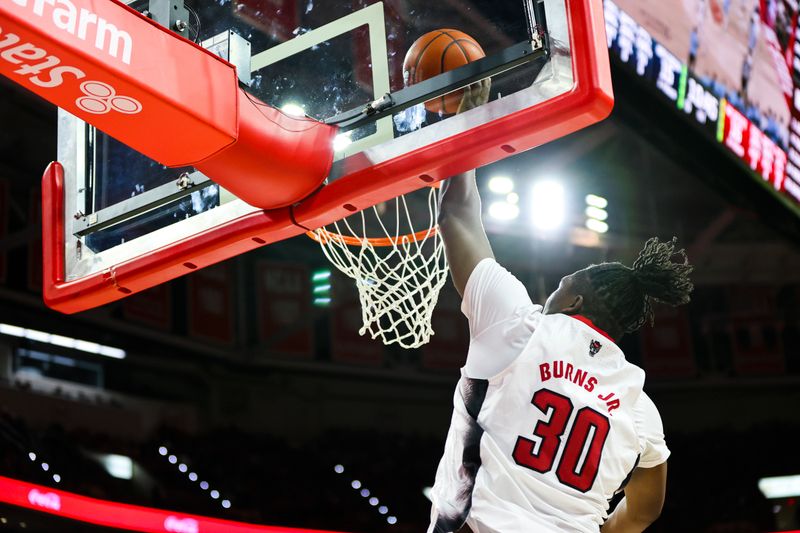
(581, 459)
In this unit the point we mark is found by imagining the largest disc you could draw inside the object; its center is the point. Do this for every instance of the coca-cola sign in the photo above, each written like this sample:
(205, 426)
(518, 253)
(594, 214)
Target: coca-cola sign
(47, 500)
(181, 525)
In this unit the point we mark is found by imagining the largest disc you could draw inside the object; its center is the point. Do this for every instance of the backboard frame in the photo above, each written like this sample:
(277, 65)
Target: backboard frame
(369, 176)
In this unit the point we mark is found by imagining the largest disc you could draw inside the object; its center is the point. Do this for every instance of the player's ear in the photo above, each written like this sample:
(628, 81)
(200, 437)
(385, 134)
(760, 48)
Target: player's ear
(575, 307)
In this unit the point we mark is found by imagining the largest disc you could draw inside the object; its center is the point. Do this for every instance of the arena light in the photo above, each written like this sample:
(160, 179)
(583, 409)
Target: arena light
(118, 466)
(512, 198)
(780, 487)
(293, 109)
(596, 201)
(321, 287)
(162, 450)
(548, 205)
(596, 213)
(338, 469)
(56, 478)
(226, 504)
(356, 484)
(342, 141)
(597, 226)
(383, 509)
(391, 519)
(503, 211)
(501, 184)
(61, 340)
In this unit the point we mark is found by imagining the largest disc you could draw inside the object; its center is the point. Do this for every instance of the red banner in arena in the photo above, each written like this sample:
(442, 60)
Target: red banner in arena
(667, 349)
(152, 307)
(347, 346)
(211, 310)
(286, 323)
(447, 349)
(276, 18)
(122, 516)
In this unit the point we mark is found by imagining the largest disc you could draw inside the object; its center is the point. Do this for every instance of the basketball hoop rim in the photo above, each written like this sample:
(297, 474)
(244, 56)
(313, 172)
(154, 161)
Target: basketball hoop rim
(377, 242)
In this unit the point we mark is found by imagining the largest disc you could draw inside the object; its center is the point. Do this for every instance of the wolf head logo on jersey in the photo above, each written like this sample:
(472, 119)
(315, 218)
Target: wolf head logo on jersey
(594, 347)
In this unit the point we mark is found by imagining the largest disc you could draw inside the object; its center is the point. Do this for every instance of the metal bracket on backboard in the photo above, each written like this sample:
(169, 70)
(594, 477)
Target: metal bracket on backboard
(514, 56)
(154, 198)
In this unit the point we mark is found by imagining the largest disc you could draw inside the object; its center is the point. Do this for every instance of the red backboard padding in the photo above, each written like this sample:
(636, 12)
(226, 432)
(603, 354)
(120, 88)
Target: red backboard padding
(163, 96)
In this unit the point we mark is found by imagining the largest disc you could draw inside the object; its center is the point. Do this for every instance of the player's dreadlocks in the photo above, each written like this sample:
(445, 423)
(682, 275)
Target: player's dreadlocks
(621, 297)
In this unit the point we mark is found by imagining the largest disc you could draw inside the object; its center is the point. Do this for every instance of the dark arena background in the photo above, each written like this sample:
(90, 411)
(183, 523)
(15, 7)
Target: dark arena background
(243, 391)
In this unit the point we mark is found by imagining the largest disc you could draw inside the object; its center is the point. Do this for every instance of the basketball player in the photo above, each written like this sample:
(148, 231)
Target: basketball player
(550, 420)
(694, 37)
(752, 41)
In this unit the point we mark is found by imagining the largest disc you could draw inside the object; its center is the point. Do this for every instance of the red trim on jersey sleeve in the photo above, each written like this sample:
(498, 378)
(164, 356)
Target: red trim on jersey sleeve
(589, 323)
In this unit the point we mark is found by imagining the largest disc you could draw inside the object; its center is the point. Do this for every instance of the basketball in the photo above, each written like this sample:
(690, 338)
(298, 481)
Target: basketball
(434, 53)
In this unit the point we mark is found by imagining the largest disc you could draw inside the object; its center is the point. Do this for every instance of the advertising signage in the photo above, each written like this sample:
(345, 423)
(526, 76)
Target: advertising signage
(731, 66)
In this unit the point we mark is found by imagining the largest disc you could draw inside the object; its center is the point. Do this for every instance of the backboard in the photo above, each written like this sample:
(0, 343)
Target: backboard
(117, 222)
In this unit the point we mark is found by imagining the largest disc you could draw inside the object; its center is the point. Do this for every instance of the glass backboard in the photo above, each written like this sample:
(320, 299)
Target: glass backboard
(124, 222)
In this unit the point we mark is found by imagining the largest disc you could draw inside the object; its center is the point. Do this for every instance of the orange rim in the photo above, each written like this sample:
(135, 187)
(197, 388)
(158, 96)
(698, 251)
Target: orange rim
(377, 242)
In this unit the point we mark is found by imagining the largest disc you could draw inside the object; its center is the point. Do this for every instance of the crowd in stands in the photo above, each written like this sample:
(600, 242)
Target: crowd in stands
(712, 475)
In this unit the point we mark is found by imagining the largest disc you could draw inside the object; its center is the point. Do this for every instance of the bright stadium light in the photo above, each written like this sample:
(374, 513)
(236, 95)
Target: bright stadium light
(342, 141)
(598, 226)
(293, 109)
(118, 466)
(596, 213)
(596, 201)
(501, 184)
(503, 211)
(60, 340)
(512, 198)
(779, 487)
(548, 205)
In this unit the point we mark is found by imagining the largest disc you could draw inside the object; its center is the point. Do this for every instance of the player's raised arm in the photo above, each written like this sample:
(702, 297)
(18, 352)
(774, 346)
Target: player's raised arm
(644, 498)
(460, 221)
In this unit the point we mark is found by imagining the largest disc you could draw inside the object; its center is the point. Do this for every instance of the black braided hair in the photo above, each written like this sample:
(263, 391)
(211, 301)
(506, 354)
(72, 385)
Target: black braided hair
(621, 297)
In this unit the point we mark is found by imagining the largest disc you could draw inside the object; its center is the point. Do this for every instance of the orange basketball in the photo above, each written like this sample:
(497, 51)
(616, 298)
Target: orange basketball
(436, 52)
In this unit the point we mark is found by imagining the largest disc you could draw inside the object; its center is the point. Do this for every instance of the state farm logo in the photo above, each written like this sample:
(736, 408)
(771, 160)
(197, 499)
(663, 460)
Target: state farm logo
(181, 525)
(101, 98)
(47, 500)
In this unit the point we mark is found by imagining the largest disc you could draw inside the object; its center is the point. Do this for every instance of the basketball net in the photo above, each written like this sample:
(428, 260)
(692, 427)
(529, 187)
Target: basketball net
(398, 276)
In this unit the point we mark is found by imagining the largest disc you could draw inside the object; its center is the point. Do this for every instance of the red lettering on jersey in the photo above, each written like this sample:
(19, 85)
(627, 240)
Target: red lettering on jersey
(558, 369)
(568, 372)
(580, 377)
(544, 371)
(590, 383)
(606, 397)
(613, 404)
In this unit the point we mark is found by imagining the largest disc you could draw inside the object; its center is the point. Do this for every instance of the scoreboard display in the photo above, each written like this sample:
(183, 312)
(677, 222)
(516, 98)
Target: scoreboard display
(732, 66)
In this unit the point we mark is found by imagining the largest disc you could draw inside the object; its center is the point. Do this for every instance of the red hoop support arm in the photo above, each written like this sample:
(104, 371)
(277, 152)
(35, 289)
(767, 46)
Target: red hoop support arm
(162, 95)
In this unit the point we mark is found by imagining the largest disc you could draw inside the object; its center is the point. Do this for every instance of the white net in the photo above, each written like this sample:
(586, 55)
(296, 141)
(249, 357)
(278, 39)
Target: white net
(398, 275)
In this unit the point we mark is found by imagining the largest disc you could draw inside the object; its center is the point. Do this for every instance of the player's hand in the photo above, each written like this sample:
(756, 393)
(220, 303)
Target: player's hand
(475, 95)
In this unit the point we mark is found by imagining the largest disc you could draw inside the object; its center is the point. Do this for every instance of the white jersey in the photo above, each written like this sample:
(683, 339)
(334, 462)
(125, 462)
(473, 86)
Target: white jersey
(549, 419)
